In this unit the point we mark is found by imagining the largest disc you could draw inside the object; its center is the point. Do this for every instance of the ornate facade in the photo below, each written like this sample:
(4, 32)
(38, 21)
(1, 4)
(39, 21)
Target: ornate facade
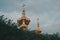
(24, 21)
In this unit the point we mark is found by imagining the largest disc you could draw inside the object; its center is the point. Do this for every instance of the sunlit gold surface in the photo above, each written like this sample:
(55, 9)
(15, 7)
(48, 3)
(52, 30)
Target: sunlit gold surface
(38, 30)
(23, 21)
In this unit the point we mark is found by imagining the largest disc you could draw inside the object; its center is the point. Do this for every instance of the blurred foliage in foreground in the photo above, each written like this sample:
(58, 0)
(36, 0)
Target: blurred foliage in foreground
(9, 31)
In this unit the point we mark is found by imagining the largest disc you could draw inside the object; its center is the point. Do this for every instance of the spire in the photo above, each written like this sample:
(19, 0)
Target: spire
(38, 30)
(23, 12)
(23, 21)
(37, 22)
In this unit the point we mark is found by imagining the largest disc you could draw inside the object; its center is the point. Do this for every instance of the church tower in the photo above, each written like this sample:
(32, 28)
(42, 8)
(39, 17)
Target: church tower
(38, 30)
(23, 21)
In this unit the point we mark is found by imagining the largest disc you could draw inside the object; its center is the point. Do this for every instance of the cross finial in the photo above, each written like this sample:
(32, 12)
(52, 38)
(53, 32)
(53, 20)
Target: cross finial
(23, 6)
(37, 19)
(23, 9)
(38, 22)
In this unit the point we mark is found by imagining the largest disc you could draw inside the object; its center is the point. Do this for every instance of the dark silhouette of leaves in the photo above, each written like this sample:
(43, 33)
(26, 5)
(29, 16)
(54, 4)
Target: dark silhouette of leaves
(9, 31)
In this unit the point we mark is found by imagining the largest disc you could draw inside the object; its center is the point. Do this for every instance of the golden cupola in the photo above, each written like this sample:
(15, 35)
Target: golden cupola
(38, 30)
(23, 21)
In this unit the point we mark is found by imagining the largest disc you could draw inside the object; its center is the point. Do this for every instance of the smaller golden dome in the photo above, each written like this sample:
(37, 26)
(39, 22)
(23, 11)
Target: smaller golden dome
(38, 30)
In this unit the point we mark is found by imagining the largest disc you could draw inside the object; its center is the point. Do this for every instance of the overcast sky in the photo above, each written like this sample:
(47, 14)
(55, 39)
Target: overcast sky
(48, 12)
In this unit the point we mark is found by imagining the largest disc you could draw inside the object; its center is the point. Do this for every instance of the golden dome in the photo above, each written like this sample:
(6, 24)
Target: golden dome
(23, 21)
(38, 30)
(23, 25)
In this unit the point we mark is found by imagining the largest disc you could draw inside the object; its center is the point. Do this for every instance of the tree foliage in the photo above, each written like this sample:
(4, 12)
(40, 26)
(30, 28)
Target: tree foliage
(9, 31)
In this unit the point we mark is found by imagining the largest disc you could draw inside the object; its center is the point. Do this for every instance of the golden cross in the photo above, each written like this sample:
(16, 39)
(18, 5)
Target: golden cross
(23, 6)
(38, 22)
